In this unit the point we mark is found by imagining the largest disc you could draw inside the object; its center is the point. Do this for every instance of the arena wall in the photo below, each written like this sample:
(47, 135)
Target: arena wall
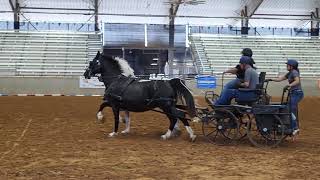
(70, 86)
(44, 85)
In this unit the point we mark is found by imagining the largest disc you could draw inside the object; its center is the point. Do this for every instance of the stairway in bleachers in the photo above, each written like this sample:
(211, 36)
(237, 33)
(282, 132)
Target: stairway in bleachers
(46, 53)
(219, 53)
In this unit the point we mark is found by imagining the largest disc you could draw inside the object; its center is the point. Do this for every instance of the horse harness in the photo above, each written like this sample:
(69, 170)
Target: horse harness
(154, 97)
(116, 89)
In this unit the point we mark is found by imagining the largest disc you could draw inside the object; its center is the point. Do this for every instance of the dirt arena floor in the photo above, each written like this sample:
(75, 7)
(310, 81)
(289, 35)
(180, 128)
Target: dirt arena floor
(57, 138)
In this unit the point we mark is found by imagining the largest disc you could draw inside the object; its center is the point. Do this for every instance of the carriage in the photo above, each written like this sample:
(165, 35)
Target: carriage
(265, 123)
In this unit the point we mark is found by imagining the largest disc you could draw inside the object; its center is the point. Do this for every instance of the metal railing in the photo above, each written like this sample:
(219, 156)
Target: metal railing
(198, 54)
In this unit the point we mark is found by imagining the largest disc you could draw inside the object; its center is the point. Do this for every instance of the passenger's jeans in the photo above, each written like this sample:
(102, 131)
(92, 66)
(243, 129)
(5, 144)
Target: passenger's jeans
(228, 91)
(233, 84)
(295, 97)
(228, 94)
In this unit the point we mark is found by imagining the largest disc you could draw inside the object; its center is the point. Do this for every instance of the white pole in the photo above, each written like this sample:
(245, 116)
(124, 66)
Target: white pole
(102, 26)
(187, 35)
(145, 35)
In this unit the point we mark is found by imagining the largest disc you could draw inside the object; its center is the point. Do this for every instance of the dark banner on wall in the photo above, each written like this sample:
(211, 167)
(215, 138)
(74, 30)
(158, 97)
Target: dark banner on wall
(136, 35)
(119, 35)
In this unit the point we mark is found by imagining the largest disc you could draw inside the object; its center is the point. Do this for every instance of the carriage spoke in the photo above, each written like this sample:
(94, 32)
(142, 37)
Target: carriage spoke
(212, 132)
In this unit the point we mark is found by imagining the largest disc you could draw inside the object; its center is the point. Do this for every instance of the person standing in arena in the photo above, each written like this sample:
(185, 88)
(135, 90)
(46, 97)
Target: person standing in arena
(296, 93)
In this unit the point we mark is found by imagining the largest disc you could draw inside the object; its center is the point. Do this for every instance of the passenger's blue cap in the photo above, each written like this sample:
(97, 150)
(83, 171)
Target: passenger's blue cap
(292, 62)
(245, 60)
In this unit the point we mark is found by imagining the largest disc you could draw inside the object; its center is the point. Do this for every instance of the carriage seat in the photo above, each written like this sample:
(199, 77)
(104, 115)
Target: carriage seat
(245, 99)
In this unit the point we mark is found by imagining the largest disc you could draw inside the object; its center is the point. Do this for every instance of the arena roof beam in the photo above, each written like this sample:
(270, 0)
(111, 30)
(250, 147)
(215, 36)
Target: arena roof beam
(252, 6)
(245, 21)
(315, 24)
(96, 16)
(16, 11)
(179, 16)
(285, 15)
(62, 9)
(12, 5)
(247, 11)
(172, 14)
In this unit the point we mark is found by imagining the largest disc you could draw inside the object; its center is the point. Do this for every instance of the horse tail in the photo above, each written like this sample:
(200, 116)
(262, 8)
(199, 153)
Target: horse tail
(182, 91)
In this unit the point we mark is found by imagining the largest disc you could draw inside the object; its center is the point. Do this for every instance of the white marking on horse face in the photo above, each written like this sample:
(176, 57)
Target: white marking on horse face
(125, 67)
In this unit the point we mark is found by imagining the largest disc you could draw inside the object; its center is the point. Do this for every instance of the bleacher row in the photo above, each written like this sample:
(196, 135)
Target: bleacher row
(215, 54)
(46, 53)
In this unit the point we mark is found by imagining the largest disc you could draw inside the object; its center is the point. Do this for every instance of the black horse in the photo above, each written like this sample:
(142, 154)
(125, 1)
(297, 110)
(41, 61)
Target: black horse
(129, 93)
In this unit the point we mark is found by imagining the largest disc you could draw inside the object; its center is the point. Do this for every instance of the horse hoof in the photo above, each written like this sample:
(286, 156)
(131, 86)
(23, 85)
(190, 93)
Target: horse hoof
(100, 118)
(193, 138)
(164, 137)
(113, 134)
(125, 132)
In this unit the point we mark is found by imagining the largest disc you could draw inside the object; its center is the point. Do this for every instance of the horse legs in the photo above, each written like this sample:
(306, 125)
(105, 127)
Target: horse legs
(100, 118)
(176, 130)
(116, 121)
(127, 121)
(173, 121)
(189, 129)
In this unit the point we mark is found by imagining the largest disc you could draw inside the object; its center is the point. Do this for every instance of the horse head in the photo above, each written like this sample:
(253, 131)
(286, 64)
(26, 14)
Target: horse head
(94, 67)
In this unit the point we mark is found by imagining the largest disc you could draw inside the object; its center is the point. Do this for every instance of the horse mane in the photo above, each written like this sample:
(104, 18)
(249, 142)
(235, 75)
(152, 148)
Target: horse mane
(122, 64)
(125, 67)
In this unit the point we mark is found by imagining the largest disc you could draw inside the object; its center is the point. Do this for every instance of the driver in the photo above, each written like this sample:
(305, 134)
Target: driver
(251, 79)
(234, 84)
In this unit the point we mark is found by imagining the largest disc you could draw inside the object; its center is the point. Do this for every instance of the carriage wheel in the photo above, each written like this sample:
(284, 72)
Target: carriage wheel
(211, 97)
(221, 127)
(263, 137)
(243, 123)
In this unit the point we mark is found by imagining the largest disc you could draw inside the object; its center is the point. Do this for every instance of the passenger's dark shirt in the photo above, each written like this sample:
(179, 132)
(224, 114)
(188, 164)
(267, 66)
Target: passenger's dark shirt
(240, 72)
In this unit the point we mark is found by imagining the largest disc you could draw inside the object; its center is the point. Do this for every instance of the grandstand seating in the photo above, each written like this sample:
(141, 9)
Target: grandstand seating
(46, 53)
(214, 54)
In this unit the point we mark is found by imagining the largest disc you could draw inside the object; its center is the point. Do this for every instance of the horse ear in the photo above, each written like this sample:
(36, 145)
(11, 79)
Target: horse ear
(98, 55)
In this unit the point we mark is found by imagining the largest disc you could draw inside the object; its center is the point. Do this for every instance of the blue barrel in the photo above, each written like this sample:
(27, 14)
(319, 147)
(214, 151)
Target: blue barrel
(206, 82)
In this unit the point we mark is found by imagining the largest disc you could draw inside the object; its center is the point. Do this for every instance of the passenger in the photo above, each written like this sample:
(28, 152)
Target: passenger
(296, 93)
(234, 84)
(250, 81)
